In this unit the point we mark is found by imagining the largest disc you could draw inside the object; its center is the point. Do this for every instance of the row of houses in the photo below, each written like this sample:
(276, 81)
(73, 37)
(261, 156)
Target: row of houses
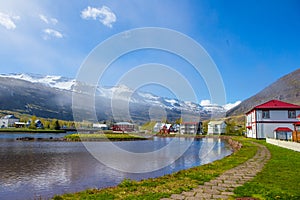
(214, 128)
(274, 119)
(117, 127)
(12, 121)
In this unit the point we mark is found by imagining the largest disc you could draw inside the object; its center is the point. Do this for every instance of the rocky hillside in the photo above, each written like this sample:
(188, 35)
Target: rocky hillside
(51, 97)
(286, 89)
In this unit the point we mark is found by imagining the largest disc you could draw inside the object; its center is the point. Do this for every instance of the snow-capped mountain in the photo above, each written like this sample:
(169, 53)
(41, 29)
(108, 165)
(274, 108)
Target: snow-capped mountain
(104, 95)
(51, 81)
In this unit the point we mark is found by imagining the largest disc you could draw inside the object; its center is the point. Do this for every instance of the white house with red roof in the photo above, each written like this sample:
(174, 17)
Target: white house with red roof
(274, 115)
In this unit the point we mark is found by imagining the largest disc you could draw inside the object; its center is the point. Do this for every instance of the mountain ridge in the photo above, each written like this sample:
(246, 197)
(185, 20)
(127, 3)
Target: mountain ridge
(51, 97)
(286, 88)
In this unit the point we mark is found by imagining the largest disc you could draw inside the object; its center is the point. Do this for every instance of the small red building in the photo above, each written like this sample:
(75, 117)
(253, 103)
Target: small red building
(123, 127)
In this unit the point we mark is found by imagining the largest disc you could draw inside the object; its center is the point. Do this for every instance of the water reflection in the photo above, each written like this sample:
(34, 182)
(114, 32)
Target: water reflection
(33, 169)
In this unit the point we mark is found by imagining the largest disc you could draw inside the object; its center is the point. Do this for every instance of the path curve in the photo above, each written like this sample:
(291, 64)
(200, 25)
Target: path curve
(222, 187)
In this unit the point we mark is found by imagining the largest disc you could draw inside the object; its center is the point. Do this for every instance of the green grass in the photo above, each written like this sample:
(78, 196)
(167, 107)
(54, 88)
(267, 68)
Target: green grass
(101, 136)
(156, 188)
(148, 126)
(27, 130)
(280, 178)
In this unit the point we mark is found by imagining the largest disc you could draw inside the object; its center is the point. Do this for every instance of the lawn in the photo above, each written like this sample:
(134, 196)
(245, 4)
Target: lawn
(164, 186)
(102, 137)
(280, 179)
(27, 130)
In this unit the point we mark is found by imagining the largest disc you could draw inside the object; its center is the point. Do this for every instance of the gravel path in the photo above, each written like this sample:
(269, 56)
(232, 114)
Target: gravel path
(222, 187)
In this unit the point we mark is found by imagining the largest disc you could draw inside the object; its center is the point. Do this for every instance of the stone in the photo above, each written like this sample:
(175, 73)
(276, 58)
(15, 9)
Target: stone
(177, 196)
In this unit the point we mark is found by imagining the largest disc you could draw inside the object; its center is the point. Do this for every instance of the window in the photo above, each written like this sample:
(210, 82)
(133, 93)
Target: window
(292, 113)
(265, 114)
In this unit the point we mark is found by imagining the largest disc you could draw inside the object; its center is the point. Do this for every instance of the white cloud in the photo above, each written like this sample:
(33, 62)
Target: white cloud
(47, 20)
(48, 33)
(103, 14)
(8, 21)
(44, 18)
(205, 102)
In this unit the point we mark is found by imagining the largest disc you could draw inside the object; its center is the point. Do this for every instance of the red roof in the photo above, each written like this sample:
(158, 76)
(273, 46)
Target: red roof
(275, 104)
(283, 129)
(297, 123)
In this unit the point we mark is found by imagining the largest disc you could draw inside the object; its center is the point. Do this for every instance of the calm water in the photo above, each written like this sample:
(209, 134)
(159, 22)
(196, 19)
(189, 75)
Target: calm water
(29, 170)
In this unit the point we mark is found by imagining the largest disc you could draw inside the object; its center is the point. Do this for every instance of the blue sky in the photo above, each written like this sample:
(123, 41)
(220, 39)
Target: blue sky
(252, 43)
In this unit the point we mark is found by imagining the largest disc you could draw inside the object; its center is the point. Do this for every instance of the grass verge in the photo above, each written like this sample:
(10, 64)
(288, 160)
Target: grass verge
(156, 188)
(27, 130)
(97, 136)
(280, 178)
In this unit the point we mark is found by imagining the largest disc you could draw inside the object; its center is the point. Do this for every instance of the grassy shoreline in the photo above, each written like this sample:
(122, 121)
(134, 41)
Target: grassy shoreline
(77, 137)
(279, 178)
(26, 130)
(161, 187)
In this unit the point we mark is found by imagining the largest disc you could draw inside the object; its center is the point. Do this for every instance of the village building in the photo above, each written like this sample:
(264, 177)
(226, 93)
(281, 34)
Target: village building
(272, 116)
(8, 121)
(157, 126)
(20, 124)
(164, 128)
(216, 127)
(191, 128)
(100, 126)
(123, 127)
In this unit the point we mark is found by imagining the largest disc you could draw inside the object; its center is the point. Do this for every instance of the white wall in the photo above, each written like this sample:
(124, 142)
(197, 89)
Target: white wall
(277, 115)
(8, 122)
(266, 130)
(216, 129)
(263, 130)
(288, 145)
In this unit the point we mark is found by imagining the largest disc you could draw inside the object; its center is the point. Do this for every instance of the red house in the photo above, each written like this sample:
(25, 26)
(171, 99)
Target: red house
(123, 127)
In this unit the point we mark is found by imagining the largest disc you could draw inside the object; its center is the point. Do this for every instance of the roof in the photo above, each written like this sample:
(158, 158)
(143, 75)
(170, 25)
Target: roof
(20, 123)
(297, 123)
(283, 129)
(275, 104)
(167, 126)
(123, 123)
(9, 117)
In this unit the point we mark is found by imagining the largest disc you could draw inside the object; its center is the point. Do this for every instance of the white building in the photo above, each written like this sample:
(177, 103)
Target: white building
(191, 128)
(216, 127)
(157, 126)
(264, 119)
(8, 121)
(100, 126)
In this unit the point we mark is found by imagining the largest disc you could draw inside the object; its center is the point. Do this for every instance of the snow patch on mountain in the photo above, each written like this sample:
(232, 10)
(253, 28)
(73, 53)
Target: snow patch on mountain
(122, 92)
(207, 105)
(51, 81)
(231, 105)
